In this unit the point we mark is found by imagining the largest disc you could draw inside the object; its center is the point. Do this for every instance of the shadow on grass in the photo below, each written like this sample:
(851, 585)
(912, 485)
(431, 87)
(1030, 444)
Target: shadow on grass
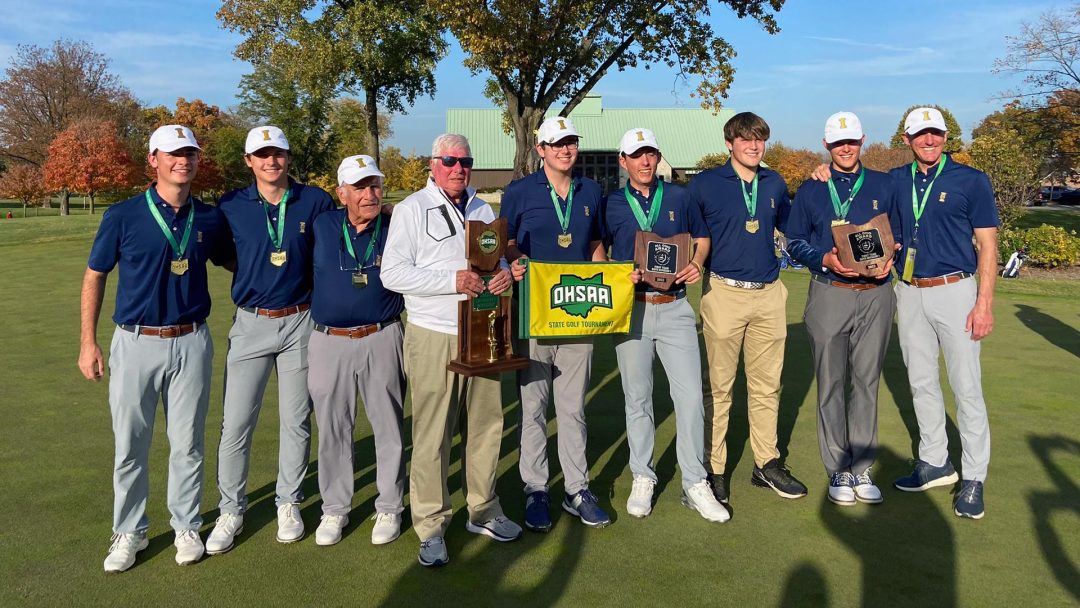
(1057, 333)
(1065, 498)
(906, 553)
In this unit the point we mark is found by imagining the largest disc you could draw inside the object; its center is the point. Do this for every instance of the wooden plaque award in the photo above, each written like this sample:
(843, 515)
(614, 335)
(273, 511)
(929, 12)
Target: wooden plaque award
(660, 258)
(865, 248)
(484, 325)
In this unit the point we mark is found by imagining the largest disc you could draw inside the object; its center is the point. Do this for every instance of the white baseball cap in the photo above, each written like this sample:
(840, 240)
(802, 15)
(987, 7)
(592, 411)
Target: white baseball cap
(841, 126)
(265, 137)
(924, 118)
(636, 139)
(555, 128)
(355, 168)
(170, 138)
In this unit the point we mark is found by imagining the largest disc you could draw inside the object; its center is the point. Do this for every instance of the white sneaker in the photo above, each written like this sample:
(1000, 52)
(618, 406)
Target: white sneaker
(387, 528)
(865, 490)
(227, 527)
(189, 547)
(290, 527)
(329, 530)
(842, 488)
(123, 549)
(639, 503)
(699, 497)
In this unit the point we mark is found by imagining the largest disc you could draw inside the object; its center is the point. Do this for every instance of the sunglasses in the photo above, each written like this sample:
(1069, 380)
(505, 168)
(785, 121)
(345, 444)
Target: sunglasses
(450, 161)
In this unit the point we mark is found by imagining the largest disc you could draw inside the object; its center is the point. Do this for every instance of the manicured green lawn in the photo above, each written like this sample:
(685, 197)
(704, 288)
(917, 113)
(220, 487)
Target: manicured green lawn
(1067, 218)
(56, 457)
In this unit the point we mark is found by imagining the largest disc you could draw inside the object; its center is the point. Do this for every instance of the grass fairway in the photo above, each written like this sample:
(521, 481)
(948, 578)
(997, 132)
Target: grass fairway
(56, 460)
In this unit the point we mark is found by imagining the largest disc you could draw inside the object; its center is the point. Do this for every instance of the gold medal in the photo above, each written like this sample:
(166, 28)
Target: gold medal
(752, 226)
(565, 240)
(179, 267)
(359, 280)
(277, 258)
(839, 222)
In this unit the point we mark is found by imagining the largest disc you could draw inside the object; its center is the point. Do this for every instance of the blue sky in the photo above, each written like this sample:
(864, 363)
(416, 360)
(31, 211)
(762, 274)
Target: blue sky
(872, 58)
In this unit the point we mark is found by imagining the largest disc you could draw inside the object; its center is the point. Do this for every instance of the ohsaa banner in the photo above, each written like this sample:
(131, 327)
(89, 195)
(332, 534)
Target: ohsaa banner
(575, 299)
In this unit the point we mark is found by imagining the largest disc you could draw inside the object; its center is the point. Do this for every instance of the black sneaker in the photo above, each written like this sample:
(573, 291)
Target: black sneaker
(969, 500)
(719, 488)
(774, 475)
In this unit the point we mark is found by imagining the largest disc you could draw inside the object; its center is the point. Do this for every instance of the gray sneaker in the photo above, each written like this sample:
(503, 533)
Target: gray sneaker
(433, 552)
(498, 527)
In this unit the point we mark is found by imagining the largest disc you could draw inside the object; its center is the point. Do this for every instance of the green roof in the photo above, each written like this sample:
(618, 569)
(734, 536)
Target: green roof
(685, 135)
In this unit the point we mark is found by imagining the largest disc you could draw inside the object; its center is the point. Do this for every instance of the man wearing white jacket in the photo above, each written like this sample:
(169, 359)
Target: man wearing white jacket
(425, 261)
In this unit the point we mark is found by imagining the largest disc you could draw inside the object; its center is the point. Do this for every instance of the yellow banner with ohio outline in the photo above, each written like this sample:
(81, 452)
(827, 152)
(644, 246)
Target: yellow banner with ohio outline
(575, 299)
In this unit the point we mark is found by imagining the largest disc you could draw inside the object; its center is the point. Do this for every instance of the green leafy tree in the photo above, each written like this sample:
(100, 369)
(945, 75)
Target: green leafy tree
(541, 52)
(712, 160)
(879, 157)
(387, 49)
(953, 143)
(1013, 170)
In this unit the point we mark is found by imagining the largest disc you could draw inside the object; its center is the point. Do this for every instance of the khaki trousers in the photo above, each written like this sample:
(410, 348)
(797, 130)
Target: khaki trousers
(437, 398)
(753, 321)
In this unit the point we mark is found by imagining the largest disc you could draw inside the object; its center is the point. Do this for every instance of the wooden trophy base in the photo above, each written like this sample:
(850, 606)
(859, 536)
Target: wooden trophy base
(484, 346)
(499, 366)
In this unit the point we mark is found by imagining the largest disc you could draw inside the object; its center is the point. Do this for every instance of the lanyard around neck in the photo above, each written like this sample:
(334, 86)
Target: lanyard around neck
(370, 245)
(276, 236)
(842, 208)
(917, 206)
(178, 248)
(646, 223)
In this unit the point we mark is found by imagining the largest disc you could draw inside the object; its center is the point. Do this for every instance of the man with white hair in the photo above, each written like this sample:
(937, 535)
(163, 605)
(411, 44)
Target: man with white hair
(662, 324)
(356, 346)
(425, 261)
(941, 307)
(161, 348)
(271, 221)
(848, 316)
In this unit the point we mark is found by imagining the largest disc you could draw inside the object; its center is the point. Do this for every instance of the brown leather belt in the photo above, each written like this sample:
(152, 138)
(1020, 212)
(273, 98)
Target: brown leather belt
(945, 279)
(658, 298)
(276, 313)
(355, 333)
(853, 286)
(167, 331)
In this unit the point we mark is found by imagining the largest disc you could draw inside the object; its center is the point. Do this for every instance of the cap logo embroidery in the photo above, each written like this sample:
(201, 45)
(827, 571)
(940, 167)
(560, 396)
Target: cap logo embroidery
(926, 115)
(266, 134)
(180, 132)
(361, 163)
(562, 125)
(640, 136)
(843, 122)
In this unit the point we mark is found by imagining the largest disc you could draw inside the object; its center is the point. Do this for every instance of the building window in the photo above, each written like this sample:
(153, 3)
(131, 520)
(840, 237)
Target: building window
(603, 167)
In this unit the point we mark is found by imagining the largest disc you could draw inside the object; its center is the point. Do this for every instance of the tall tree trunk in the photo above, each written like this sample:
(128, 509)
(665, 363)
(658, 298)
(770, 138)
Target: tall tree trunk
(371, 94)
(65, 202)
(91, 203)
(526, 120)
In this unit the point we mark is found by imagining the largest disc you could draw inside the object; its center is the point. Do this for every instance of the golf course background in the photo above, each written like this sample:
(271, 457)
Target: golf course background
(56, 462)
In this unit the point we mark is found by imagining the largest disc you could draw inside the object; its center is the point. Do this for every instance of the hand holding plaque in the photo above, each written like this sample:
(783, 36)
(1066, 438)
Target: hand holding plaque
(659, 258)
(865, 248)
(484, 320)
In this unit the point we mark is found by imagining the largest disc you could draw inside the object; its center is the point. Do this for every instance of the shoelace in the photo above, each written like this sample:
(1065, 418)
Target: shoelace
(843, 479)
(381, 517)
(642, 487)
(339, 520)
(187, 537)
(290, 513)
(538, 498)
(116, 539)
(427, 544)
(864, 478)
(227, 522)
(969, 492)
(587, 496)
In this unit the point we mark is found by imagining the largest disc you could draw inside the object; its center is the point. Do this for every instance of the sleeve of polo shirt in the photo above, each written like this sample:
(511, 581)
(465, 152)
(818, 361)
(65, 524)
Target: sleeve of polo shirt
(508, 208)
(783, 208)
(399, 272)
(695, 220)
(982, 209)
(799, 228)
(223, 250)
(893, 205)
(324, 203)
(105, 252)
(596, 231)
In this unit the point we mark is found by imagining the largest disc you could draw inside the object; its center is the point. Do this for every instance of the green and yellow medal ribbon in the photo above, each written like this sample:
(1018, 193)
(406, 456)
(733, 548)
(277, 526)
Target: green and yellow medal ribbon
(181, 247)
(276, 236)
(370, 245)
(841, 208)
(646, 223)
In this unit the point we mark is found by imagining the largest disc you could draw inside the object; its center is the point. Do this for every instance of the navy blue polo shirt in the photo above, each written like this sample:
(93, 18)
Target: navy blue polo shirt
(335, 301)
(534, 225)
(148, 293)
(960, 201)
(809, 229)
(258, 283)
(735, 252)
(678, 214)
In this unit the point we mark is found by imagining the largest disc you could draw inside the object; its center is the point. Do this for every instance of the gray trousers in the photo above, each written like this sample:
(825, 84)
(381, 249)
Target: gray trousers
(668, 331)
(933, 318)
(257, 345)
(559, 366)
(141, 369)
(339, 367)
(849, 334)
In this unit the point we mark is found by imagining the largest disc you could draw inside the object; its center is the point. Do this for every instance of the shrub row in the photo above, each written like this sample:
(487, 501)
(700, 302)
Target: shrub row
(1046, 245)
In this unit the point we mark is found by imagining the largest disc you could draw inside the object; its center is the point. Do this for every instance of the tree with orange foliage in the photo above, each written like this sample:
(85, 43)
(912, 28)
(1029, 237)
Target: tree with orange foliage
(204, 120)
(793, 164)
(87, 157)
(23, 182)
